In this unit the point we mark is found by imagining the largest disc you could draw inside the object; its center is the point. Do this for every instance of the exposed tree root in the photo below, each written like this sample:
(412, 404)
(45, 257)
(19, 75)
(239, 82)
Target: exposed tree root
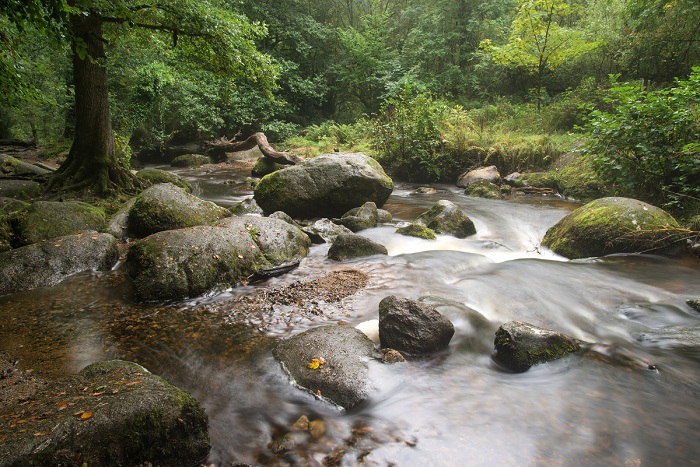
(218, 148)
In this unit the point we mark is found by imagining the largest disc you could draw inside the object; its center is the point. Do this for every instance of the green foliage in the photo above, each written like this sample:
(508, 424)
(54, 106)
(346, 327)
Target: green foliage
(123, 151)
(647, 146)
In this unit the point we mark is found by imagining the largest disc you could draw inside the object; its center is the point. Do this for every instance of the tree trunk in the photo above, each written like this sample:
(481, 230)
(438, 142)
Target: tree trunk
(92, 163)
(219, 147)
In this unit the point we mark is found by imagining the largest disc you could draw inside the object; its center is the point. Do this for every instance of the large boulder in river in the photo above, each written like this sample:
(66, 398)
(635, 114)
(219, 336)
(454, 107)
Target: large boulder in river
(325, 186)
(412, 327)
(167, 207)
(489, 174)
(349, 246)
(182, 263)
(520, 345)
(50, 219)
(614, 225)
(446, 218)
(330, 361)
(49, 262)
(111, 413)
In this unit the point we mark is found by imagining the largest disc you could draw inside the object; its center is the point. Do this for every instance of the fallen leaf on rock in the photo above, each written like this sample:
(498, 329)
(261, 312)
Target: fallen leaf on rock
(316, 363)
(42, 433)
(97, 393)
(62, 405)
(84, 414)
(133, 383)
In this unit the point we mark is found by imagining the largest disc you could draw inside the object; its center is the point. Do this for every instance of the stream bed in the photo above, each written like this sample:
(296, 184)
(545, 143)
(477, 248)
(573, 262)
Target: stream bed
(632, 399)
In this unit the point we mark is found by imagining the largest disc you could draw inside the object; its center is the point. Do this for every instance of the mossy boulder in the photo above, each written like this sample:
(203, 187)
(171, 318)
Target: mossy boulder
(364, 217)
(167, 207)
(483, 189)
(50, 219)
(417, 230)
(489, 174)
(49, 262)
(264, 166)
(183, 263)
(8, 207)
(330, 361)
(190, 160)
(349, 246)
(328, 185)
(614, 225)
(445, 217)
(155, 176)
(20, 189)
(521, 345)
(111, 413)
(12, 166)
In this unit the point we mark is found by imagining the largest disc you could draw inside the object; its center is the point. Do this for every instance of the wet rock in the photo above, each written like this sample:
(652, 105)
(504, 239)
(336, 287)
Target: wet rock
(343, 377)
(349, 246)
(412, 327)
(284, 217)
(118, 225)
(325, 231)
(284, 443)
(264, 166)
(489, 174)
(155, 176)
(364, 217)
(167, 207)
(190, 160)
(614, 225)
(694, 303)
(50, 219)
(184, 263)
(483, 189)
(513, 178)
(392, 356)
(49, 262)
(325, 186)
(417, 230)
(520, 345)
(384, 216)
(302, 424)
(20, 189)
(111, 413)
(446, 218)
(247, 206)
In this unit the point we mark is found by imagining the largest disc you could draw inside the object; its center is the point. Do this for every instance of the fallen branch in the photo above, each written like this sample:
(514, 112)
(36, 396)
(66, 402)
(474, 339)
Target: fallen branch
(218, 148)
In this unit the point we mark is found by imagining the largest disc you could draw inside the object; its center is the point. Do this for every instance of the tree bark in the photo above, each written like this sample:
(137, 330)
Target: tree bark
(219, 147)
(92, 162)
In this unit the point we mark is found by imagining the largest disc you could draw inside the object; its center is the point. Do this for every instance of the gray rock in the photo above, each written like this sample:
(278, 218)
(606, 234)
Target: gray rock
(325, 186)
(20, 189)
(156, 176)
(445, 217)
(694, 303)
(520, 345)
(284, 217)
(47, 263)
(12, 166)
(343, 375)
(50, 219)
(118, 225)
(364, 217)
(190, 160)
(264, 166)
(490, 174)
(417, 230)
(189, 262)
(247, 206)
(614, 225)
(111, 413)
(167, 207)
(348, 246)
(412, 327)
(325, 231)
(384, 216)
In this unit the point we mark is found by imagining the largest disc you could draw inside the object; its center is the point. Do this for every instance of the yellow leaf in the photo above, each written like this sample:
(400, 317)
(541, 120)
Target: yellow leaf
(86, 415)
(62, 405)
(316, 363)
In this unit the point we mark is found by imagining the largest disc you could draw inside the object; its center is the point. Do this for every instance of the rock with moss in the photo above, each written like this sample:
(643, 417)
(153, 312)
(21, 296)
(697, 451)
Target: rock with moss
(167, 207)
(12, 166)
(50, 219)
(694, 303)
(519, 345)
(8, 208)
(417, 230)
(155, 176)
(330, 362)
(49, 262)
(384, 217)
(20, 189)
(190, 160)
(615, 225)
(364, 217)
(445, 217)
(483, 189)
(325, 231)
(264, 166)
(111, 413)
(118, 224)
(489, 174)
(328, 185)
(183, 263)
(412, 327)
(247, 206)
(349, 246)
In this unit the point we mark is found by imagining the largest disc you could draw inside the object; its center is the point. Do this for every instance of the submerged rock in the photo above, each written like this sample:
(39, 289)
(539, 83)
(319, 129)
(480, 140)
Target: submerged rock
(349, 246)
(412, 327)
(694, 303)
(50, 219)
(325, 186)
(49, 262)
(614, 225)
(520, 345)
(446, 218)
(111, 413)
(330, 361)
(167, 207)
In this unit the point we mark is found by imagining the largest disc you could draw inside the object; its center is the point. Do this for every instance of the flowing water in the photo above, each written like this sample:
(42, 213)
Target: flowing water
(633, 398)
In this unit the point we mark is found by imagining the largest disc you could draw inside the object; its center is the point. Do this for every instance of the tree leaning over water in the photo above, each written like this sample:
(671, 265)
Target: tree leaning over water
(222, 39)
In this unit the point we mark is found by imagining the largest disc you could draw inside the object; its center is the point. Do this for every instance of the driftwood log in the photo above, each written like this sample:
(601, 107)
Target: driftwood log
(218, 148)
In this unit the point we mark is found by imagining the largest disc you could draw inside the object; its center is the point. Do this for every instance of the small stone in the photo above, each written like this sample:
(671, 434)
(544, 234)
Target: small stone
(283, 444)
(302, 424)
(392, 356)
(317, 428)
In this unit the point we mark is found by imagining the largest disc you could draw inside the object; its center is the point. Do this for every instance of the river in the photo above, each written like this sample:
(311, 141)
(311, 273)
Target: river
(632, 399)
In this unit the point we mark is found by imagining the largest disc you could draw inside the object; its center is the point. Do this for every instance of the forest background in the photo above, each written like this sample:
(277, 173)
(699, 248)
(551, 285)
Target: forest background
(430, 88)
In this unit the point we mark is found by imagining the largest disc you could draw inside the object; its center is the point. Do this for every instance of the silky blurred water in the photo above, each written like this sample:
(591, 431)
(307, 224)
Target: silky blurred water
(630, 399)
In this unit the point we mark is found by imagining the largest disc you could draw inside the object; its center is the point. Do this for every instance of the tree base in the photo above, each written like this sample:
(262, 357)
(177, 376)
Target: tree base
(93, 178)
